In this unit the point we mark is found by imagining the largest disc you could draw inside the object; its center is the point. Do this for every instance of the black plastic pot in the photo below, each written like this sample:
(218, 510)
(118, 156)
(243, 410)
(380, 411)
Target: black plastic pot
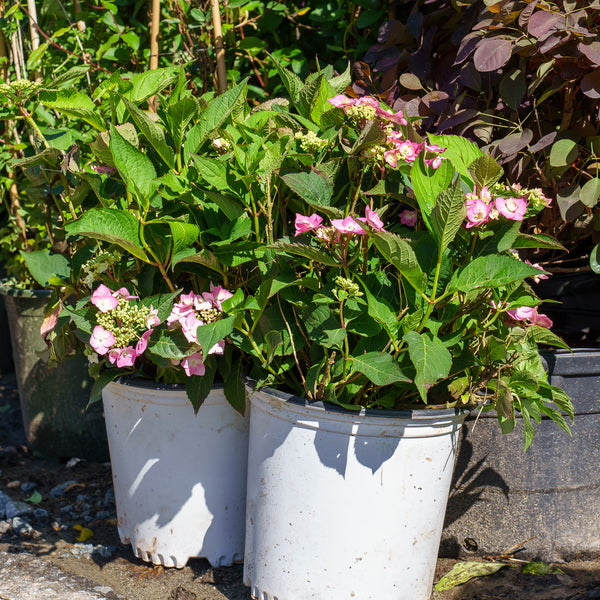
(58, 424)
(6, 359)
(546, 501)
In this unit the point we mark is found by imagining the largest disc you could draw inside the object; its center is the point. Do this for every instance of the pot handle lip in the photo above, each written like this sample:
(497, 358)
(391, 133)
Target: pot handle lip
(359, 412)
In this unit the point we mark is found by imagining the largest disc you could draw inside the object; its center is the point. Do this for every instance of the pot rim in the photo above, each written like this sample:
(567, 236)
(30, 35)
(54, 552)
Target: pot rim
(298, 402)
(150, 385)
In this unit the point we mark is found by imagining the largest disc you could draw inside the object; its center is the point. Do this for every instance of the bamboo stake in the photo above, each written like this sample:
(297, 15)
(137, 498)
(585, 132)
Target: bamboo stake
(76, 11)
(219, 49)
(3, 48)
(35, 36)
(154, 34)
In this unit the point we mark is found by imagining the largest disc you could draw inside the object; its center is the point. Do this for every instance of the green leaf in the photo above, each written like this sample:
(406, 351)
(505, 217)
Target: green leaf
(595, 259)
(43, 266)
(306, 251)
(211, 333)
(465, 571)
(590, 192)
(234, 388)
(204, 257)
(428, 183)
(149, 83)
(371, 134)
(540, 568)
(485, 171)
(70, 76)
(48, 156)
(313, 187)
(381, 312)
(134, 166)
(35, 498)
(212, 170)
(231, 207)
(183, 234)
(541, 335)
(491, 271)
(563, 153)
(73, 104)
(293, 84)
(431, 359)
(379, 367)
(541, 240)
(197, 387)
(460, 151)
(400, 253)
(101, 382)
(163, 303)
(178, 116)
(342, 81)
(448, 215)
(215, 114)
(111, 225)
(153, 133)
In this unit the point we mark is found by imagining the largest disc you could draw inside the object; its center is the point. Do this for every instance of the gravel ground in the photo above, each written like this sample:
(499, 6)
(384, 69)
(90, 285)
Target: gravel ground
(47, 509)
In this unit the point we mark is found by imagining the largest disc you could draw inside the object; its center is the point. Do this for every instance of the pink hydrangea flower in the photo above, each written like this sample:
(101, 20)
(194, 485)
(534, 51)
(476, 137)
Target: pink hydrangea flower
(218, 348)
(304, 224)
(434, 163)
(478, 213)
(347, 225)
(408, 217)
(409, 150)
(393, 117)
(521, 313)
(391, 157)
(103, 169)
(124, 293)
(341, 101)
(367, 101)
(193, 365)
(217, 295)
(541, 320)
(101, 340)
(103, 299)
(537, 278)
(180, 310)
(189, 326)
(512, 208)
(124, 357)
(372, 219)
(142, 344)
(531, 314)
(152, 319)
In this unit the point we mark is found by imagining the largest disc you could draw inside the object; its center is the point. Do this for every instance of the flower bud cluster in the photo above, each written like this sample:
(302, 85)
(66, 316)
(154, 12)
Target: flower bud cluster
(126, 321)
(221, 145)
(310, 141)
(347, 285)
(99, 264)
(20, 89)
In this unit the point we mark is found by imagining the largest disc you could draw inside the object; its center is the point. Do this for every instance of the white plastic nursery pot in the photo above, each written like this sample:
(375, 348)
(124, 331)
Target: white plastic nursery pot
(342, 504)
(179, 478)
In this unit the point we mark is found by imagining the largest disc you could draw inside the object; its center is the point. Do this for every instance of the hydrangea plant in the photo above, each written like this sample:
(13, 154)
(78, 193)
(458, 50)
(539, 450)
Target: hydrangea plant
(396, 279)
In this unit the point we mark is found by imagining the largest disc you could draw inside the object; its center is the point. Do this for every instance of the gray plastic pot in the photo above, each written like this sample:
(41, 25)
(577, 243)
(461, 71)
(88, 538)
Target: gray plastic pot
(546, 501)
(57, 422)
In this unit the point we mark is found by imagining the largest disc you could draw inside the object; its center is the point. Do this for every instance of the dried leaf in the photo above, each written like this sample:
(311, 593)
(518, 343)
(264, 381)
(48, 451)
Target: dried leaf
(85, 534)
(463, 572)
